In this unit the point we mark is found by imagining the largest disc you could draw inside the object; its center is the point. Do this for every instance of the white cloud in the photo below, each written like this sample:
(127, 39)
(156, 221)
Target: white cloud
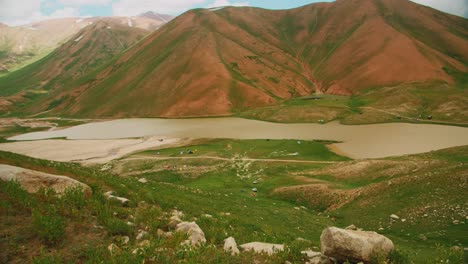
(15, 12)
(457, 7)
(84, 2)
(218, 3)
(66, 12)
(135, 7)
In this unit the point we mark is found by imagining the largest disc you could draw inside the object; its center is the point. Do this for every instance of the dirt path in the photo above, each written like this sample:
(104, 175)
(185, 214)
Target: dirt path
(229, 159)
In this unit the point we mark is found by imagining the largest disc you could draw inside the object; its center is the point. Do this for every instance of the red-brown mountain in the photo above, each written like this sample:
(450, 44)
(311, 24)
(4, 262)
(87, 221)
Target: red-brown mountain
(215, 62)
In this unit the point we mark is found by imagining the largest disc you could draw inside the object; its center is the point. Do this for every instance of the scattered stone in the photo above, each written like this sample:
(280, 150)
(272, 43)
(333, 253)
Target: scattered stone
(207, 216)
(403, 220)
(138, 251)
(311, 254)
(456, 248)
(33, 181)
(351, 245)
(142, 234)
(260, 247)
(230, 245)
(456, 222)
(130, 223)
(109, 195)
(145, 244)
(175, 219)
(143, 180)
(196, 235)
(320, 259)
(422, 237)
(113, 249)
(124, 240)
(381, 229)
(160, 233)
(351, 227)
(394, 217)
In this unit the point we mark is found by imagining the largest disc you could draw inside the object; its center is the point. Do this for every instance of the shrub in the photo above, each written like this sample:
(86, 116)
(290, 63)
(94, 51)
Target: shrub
(449, 255)
(72, 201)
(48, 225)
(14, 191)
(116, 226)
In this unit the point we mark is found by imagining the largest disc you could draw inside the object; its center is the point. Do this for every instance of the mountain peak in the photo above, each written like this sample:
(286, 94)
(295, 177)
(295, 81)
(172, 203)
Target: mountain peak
(156, 16)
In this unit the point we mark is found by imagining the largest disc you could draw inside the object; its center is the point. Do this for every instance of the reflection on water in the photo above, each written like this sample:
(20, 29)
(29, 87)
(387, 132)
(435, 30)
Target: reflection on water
(363, 141)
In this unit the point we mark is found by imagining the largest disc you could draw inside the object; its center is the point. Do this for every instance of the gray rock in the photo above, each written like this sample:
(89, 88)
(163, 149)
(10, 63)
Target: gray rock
(175, 219)
(143, 180)
(394, 217)
(260, 247)
(124, 240)
(351, 245)
(316, 257)
(141, 234)
(32, 181)
(113, 249)
(195, 233)
(110, 196)
(230, 246)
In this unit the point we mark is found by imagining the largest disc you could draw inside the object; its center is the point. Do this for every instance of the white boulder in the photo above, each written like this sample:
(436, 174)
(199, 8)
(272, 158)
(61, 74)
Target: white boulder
(110, 196)
(260, 247)
(351, 245)
(196, 236)
(230, 245)
(32, 181)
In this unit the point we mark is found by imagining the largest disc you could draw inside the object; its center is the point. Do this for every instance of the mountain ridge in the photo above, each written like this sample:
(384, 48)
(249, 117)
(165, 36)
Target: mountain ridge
(211, 63)
(21, 45)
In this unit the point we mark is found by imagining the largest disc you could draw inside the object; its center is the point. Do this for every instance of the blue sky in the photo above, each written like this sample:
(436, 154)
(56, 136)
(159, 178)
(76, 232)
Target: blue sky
(17, 12)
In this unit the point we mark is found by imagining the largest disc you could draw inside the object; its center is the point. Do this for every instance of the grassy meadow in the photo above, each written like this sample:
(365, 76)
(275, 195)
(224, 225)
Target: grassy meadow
(213, 186)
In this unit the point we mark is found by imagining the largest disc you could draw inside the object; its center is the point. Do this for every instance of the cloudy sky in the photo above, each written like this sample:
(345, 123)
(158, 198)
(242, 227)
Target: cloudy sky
(17, 12)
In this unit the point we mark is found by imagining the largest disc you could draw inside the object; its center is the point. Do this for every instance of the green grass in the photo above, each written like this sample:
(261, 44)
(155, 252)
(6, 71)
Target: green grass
(222, 188)
(256, 149)
(268, 219)
(302, 110)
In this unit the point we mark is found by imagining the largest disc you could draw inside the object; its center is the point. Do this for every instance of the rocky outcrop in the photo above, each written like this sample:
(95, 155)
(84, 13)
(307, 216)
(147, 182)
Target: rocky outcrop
(350, 245)
(33, 181)
(260, 247)
(230, 246)
(196, 236)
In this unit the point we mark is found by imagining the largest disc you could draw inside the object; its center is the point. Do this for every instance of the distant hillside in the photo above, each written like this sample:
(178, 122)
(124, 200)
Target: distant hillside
(156, 16)
(218, 62)
(87, 50)
(21, 45)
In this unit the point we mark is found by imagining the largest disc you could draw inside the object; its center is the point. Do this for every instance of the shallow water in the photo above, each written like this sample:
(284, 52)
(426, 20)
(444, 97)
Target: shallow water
(363, 141)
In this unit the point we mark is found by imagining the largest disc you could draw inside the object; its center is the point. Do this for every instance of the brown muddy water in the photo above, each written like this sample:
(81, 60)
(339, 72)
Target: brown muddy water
(362, 141)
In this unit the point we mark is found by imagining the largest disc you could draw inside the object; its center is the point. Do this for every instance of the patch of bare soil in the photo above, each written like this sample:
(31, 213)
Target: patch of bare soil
(372, 169)
(85, 151)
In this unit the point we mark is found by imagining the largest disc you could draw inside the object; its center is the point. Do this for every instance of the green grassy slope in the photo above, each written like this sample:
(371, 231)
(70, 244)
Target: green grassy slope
(412, 187)
(91, 48)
